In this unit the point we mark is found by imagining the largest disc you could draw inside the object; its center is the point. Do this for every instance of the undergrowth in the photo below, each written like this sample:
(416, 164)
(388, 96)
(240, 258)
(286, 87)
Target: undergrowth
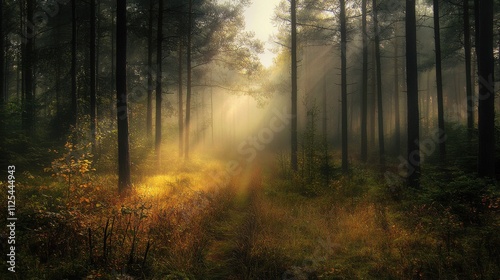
(355, 227)
(73, 225)
(182, 222)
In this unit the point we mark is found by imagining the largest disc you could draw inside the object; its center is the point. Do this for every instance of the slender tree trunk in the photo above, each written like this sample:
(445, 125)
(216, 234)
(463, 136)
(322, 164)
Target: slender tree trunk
(3, 81)
(294, 140)
(58, 75)
(21, 63)
(350, 118)
(476, 46)
(3, 98)
(93, 84)
(364, 87)
(439, 79)
(181, 112)
(343, 70)
(475, 63)
(113, 51)
(121, 96)
(149, 106)
(468, 83)
(73, 110)
(188, 87)
(486, 66)
(324, 109)
(397, 118)
(427, 101)
(97, 47)
(373, 99)
(28, 57)
(212, 110)
(413, 155)
(159, 56)
(19, 73)
(376, 30)
(113, 38)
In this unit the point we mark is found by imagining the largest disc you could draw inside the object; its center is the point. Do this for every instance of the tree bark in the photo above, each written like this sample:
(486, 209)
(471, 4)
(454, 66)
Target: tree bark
(28, 57)
(22, 62)
(149, 106)
(364, 87)
(413, 155)
(159, 56)
(486, 120)
(121, 97)
(397, 118)
(74, 111)
(3, 98)
(294, 140)
(181, 112)
(3, 81)
(343, 70)
(188, 87)
(373, 97)
(324, 109)
(376, 30)
(439, 79)
(93, 85)
(468, 83)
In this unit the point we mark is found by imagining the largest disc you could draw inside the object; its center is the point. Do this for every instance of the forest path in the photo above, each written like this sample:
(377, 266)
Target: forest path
(228, 255)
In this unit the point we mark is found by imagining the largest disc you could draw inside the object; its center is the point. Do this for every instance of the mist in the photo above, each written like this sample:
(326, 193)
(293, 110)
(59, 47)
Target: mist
(207, 139)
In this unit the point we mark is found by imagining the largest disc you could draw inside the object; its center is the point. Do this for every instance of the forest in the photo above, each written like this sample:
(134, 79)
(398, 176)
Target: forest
(150, 139)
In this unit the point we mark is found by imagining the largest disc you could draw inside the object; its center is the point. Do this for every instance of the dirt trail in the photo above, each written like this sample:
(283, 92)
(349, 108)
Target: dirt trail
(229, 254)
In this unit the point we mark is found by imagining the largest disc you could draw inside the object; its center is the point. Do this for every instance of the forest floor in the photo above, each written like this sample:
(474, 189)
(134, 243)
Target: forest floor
(182, 222)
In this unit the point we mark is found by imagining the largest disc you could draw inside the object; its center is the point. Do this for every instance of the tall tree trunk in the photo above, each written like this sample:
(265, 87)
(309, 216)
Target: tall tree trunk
(343, 70)
(113, 39)
(59, 63)
(21, 62)
(113, 51)
(159, 56)
(93, 84)
(149, 106)
(188, 87)
(468, 83)
(427, 103)
(397, 118)
(181, 112)
(324, 109)
(211, 109)
(97, 47)
(476, 44)
(121, 96)
(364, 87)
(379, 84)
(413, 155)
(486, 66)
(73, 110)
(28, 57)
(3, 81)
(3, 98)
(439, 78)
(19, 73)
(373, 98)
(294, 140)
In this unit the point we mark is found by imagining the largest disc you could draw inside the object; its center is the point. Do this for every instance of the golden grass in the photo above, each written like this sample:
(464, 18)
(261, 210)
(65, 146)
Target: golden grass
(188, 220)
(322, 233)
